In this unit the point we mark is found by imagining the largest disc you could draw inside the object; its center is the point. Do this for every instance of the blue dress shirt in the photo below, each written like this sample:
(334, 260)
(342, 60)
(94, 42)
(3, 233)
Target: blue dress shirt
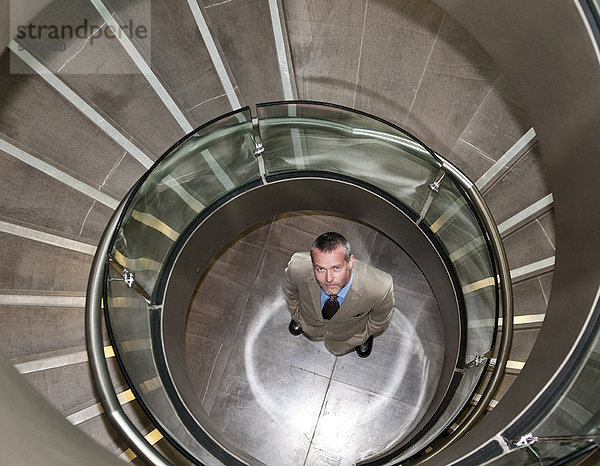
(341, 295)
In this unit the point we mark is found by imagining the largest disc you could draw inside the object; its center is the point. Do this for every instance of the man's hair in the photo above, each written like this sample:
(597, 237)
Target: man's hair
(329, 242)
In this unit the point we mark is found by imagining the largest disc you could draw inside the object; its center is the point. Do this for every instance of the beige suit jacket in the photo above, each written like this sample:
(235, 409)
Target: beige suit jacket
(366, 310)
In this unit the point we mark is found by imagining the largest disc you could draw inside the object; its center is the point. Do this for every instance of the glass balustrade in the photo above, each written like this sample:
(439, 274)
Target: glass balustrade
(313, 137)
(452, 220)
(132, 318)
(299, 139)
(203, 167)
(569, 424)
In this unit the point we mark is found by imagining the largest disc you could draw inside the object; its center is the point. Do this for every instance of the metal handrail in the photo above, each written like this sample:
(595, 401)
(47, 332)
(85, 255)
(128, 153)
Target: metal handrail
(95, 348)
(506, 300)
(106, 390)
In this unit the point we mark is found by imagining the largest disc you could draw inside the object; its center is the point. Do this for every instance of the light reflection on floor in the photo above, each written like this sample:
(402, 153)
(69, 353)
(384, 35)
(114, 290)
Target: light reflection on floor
(340, 417)
(286, 400)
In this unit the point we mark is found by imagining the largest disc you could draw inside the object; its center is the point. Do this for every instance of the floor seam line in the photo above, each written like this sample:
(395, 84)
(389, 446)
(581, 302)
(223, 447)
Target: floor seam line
(320, 411)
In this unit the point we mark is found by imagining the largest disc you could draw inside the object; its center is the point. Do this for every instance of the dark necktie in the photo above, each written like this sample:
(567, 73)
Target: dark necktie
(330, 307)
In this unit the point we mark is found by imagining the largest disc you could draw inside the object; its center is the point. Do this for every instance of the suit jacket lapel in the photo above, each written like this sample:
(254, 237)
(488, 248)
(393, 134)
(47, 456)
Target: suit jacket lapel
(315, 296)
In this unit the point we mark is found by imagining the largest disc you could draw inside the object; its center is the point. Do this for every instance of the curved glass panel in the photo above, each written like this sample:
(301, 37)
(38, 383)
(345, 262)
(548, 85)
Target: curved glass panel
(212, 161)
(452, 221)
(464, 393)
(547, 453)
(130, 321)
(571, 424)
(317, 137)
(299, 138)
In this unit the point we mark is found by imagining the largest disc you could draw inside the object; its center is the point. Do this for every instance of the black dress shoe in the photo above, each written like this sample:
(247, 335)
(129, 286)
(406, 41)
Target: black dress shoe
(295, 328)
(365, 349)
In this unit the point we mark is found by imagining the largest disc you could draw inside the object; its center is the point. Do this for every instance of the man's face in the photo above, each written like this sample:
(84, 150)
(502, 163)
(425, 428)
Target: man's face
(332, 272)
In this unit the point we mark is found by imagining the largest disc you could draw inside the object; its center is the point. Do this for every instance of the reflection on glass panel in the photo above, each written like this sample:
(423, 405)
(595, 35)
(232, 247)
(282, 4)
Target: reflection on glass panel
(451, 218)
(211, 162)
(522, 456)
(556, 452)
(577, 411)
(461, 397)
(453, 222)
(480, 306)
(130, 318)
(323, 138)
(546, 453)
(335, 115)
(571, 427)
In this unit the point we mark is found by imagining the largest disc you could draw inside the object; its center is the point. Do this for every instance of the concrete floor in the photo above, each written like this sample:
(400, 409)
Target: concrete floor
(285, 399)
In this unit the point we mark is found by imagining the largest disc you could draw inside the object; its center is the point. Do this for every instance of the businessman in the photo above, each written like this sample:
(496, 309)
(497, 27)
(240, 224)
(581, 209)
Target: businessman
(335, 298)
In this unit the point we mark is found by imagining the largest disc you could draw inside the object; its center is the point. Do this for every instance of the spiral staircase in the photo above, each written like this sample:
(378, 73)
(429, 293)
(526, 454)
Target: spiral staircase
(471, 79)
